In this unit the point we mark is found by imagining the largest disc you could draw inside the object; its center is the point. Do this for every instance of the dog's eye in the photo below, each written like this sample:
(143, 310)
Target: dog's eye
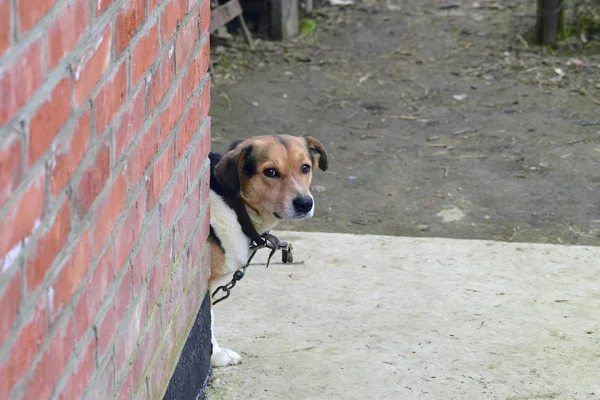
(270, 173)
(305, 169)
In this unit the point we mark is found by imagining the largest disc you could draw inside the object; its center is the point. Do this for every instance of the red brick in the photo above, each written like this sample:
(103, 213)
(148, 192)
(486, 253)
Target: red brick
(201, 261)
(191, 4)
(145, 349)
(170, 18)
(81, 376)
(143, 54)
(174, 200)
(102, 5)
(158, 275)
(173, 290)
(152, 4)
(186, 223)
(20, 80)
(94, 291)
(193, 301)
(186, 39)
(125, 392)
(6, 28)
(48, 120)
(193, 204)
(10, 165)
(130, 18)
(181, 319)
(201, 234)
(114, 315)
(109, 98)
(48, 247)
(93, 180)
(161, 173)
(49, 369)
(205, 99)
(131, 122)
(9, 305)
(128, 233)
(91, 66)
(198, 67)
(188, 127)
(205, 191)
(69, 153)
(162, 366)
(31, 11)
(143, 154)
(204, 16)
(200, 152)
(125, 342)
(145, 255)
(24, 349)
(71, 275)
(64, 32)
(161, 79)
(172, 113)
(109, 211)
(20, 220)
(104, 386)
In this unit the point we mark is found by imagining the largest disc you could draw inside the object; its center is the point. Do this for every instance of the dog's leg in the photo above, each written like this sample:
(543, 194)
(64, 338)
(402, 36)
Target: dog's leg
(221, 357)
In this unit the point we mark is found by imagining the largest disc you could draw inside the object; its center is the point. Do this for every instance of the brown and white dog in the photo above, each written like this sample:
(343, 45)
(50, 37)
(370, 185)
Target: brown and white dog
(268, 178)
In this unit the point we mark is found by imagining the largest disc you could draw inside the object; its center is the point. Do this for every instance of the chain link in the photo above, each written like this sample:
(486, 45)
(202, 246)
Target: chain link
(270, 242)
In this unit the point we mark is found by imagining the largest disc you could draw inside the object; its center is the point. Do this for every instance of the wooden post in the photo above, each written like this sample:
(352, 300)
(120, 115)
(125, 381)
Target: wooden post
(284, 19)
(547, 21)
(309, 5)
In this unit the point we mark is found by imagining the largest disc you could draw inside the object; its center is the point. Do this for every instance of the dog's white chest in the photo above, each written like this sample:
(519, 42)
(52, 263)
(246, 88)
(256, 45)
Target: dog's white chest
(225, 223)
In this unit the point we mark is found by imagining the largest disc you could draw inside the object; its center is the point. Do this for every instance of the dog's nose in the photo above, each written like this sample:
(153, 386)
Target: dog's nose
(303, 204)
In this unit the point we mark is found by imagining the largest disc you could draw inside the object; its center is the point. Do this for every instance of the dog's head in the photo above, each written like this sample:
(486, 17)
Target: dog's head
(272, 174)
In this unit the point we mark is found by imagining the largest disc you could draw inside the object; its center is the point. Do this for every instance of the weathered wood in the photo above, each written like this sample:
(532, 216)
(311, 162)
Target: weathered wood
(223, 14)
(246, 32)
(284, 19)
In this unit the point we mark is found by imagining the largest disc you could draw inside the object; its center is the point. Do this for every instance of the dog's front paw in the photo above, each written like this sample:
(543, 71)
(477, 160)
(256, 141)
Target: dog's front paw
(224, 357)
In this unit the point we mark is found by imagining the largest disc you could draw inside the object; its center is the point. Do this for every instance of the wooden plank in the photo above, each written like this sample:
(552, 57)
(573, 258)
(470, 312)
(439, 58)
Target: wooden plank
(284, 19)
(223, 14)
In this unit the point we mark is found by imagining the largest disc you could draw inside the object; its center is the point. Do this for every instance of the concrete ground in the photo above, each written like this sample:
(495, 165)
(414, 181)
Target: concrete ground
(380, 317)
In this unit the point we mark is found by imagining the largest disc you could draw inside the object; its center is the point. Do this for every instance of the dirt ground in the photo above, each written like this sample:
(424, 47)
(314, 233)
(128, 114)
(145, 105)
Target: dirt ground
(438, 122)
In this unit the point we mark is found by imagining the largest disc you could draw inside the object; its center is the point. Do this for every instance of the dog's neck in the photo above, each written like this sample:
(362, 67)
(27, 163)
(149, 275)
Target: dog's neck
(262, 223)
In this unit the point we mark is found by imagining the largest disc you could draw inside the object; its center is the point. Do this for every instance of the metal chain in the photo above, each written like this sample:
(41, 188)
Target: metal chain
(271, 242)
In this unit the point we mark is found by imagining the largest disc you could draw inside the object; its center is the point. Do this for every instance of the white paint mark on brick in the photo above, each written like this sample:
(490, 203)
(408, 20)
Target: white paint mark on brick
(13, 253)
(50, 297)
(11, 256)
(36, 225)
(52, 161)
(171, 50)
(99, 4)
(86, 57)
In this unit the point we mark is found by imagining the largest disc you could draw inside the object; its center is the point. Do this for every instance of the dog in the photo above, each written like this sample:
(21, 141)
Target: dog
(257, 183)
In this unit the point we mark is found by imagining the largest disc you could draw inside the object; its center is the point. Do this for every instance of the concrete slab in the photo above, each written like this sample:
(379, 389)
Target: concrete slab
(377, 317)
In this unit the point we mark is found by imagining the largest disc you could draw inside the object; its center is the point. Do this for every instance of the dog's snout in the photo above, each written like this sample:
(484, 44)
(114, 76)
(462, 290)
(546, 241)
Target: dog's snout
(303, 204)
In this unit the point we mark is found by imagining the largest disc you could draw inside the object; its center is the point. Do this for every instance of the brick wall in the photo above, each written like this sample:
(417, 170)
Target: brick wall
(104, 138)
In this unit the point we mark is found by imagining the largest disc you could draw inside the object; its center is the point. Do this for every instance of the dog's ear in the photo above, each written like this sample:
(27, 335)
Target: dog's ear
(235, 144)
(317, 150)
(228, 170)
